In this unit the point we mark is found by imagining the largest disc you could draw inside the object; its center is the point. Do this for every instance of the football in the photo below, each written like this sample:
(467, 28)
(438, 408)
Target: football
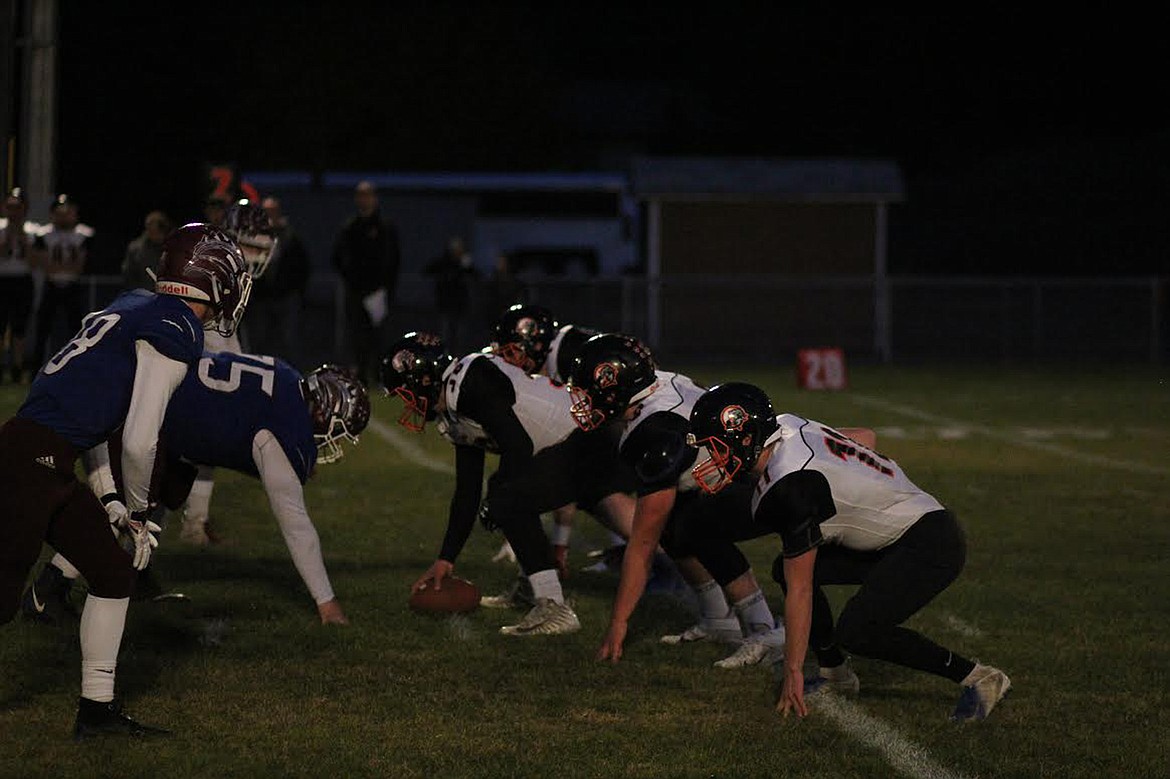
(457, 596)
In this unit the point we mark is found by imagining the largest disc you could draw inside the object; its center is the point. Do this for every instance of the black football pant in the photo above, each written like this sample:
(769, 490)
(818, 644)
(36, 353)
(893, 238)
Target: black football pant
(583, 469)
(67, 298)
(896, 582)
(708, 527)
(41, 500)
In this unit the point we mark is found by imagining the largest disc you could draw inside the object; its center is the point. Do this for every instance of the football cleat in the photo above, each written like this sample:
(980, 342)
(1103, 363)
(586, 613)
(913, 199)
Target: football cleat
(95, 718)
(47, 599)
(982, 689)
(197, 533)
(518, 596)
(840, 679)
(766, 647)
(546, 618)
(723, 630)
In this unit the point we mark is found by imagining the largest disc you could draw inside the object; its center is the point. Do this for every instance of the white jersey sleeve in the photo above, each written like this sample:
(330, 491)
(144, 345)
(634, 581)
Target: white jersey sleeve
(876, 503)
(287, 498)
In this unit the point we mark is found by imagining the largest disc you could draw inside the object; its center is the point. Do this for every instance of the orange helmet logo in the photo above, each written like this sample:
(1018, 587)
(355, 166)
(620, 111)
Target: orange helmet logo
(733, 418)
(605, 375)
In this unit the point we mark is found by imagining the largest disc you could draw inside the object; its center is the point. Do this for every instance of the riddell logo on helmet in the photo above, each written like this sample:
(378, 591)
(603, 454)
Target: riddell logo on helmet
(182, 290)
(605, 375)
(733, 418)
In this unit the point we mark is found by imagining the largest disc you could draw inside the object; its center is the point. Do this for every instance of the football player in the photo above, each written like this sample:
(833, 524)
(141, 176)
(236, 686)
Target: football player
(247, 223)
(484, 404)
(255, 415)
(614, 380)
(121, 369)
(529, 337)
(845, 515)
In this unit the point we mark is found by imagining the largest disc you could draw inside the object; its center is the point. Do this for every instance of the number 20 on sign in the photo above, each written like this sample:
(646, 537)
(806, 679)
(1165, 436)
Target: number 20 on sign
(821, 369)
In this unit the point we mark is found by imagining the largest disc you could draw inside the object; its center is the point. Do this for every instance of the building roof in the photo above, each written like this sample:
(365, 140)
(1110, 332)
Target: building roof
(845, 180)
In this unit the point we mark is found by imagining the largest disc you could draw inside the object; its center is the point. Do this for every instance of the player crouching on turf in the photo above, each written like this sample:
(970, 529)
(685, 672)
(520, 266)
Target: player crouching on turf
(529, 337)
(257, 416)
(120, 370)
(614, 381)
(483, 403)
(845, 515)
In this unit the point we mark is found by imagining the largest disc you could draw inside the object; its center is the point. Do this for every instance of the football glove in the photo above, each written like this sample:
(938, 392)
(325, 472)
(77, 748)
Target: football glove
(117, 512)
(143, 533)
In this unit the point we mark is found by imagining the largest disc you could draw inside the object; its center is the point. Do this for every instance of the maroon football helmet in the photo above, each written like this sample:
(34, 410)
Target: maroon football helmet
(248, 224)
(201, 263)
(339, 407)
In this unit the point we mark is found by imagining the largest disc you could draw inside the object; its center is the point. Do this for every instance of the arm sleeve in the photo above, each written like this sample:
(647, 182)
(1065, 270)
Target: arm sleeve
(287, 499)
(98, 471)
(795, 507)
(464, 502)
(155, 380)
(488, 397)
(658, 452)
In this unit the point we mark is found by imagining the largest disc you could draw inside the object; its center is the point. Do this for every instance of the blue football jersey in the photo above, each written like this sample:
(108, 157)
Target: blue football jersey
(218, 409)
(83, 392)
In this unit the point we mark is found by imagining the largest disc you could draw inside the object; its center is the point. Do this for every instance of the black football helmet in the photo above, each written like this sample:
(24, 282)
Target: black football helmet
(201, 263)
(522, 336)
(248, 224)
(413, 370)
(339, 407)
(732, 421)
(610, 373)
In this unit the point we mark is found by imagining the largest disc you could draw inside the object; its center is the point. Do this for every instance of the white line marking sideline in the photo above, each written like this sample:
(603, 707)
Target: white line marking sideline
(1059, 451)
(407, 448)
(904, 755)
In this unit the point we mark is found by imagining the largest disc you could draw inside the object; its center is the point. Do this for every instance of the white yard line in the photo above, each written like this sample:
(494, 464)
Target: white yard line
(407, 448)
(904, 755)
(1012, 437)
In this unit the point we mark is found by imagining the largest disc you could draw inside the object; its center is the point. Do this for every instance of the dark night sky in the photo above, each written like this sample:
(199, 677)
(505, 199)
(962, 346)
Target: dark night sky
(1028, 144)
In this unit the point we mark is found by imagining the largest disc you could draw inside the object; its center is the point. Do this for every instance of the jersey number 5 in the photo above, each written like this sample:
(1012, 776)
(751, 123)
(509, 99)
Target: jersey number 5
(259, 366)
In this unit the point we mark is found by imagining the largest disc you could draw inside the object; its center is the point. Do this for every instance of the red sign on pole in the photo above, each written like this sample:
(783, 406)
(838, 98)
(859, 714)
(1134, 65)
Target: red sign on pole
(821, 369)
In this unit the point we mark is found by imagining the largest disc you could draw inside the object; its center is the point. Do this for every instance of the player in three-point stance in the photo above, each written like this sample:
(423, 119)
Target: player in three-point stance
(845, 515)
(254, 415)
(121, 369)
(614, 381)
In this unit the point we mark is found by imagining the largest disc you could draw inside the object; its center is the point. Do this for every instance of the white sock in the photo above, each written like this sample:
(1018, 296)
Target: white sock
(546, 584)
(754, 614)
(102, 621)
(712, 601)
(561, 534)
(198, 505)
(615, 539)
(64, 566)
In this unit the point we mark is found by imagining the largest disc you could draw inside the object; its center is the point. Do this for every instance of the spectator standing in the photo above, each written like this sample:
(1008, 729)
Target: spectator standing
(16, 283)
(144, 252)
(279, 294)
(454, 276)
(62, 251)
(366, 255)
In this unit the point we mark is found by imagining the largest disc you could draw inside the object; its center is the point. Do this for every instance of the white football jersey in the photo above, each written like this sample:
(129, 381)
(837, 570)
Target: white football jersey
(675, 394)
(875, 501)
(14, 250)
(542, 408)
(66, 252)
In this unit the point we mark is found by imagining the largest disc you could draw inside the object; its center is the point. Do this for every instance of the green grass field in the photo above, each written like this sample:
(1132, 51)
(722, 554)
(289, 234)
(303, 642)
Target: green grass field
(1061, 479)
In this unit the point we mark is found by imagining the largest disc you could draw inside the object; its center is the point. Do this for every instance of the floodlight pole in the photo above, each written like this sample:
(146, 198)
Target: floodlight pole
(38, 136)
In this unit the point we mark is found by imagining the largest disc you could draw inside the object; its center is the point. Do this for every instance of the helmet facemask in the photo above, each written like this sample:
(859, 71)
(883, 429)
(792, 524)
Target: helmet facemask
(515, 354)
(417, 409)
(720, 467)
(229, 314)
(258, 249)
(340, 411)
(584, 414)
